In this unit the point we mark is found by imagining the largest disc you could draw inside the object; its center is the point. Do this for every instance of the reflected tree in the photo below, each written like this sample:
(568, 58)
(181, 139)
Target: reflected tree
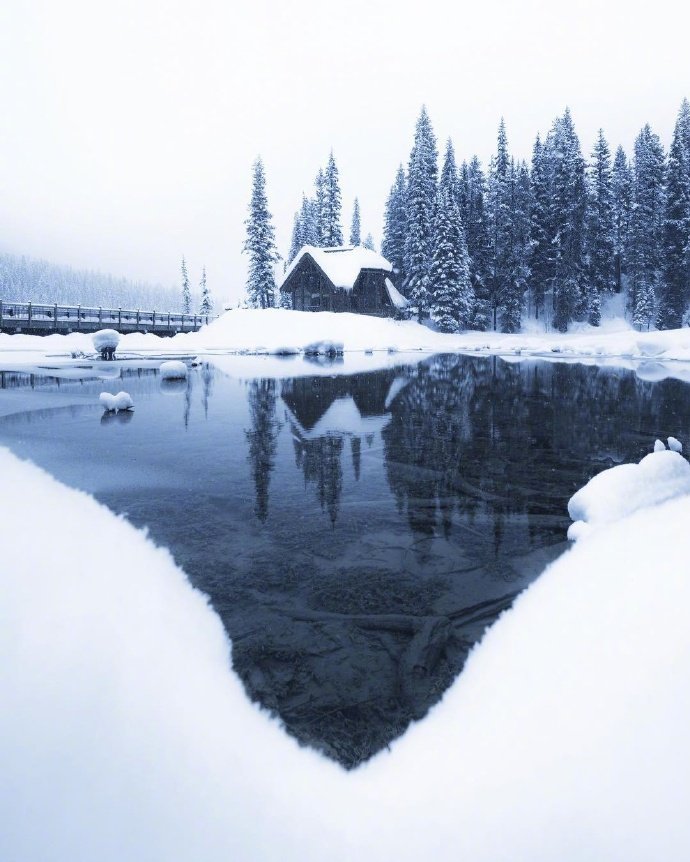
(262, 439)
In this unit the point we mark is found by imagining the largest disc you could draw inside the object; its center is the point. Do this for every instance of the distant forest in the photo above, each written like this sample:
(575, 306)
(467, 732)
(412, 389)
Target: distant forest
(550, 239)
(24, 279)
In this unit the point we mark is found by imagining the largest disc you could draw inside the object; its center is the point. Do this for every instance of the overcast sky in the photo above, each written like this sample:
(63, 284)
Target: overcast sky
(128, 129)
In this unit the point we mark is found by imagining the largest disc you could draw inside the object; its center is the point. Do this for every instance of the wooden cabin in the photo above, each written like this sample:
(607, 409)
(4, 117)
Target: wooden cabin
(351, 278)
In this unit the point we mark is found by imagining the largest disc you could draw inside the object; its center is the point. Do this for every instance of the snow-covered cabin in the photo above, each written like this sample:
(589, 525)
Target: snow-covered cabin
(349, 278)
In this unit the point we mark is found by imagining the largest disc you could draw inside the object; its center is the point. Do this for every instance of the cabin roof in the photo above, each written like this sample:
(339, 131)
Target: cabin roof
(341, 265)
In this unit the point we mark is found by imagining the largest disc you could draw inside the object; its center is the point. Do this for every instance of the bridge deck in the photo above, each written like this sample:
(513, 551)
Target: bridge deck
(42, 319)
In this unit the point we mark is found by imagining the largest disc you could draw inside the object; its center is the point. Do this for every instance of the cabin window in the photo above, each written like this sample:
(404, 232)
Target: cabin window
(315, 300)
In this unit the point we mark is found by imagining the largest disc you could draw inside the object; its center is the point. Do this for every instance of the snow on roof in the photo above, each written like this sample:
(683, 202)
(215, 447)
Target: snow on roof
(341, 265)
(396, 297)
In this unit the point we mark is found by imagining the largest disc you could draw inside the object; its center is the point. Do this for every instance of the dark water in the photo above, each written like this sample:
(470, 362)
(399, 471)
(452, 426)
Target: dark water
(356, 534)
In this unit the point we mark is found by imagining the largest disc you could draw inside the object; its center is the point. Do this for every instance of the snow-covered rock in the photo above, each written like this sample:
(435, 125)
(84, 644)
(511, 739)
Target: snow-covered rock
(618, 492)
(106, 338)
(324, 348)
(173, 369)
(675, 445)
(120, 401)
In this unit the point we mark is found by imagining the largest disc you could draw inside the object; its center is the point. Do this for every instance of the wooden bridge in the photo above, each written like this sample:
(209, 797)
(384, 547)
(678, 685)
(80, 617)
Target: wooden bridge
(42, 319)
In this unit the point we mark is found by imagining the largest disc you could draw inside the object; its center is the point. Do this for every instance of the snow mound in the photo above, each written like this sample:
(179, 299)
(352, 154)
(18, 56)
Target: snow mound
(675, 445)
(105, 338)
(113, 403)
(173, 369)
(618, 492)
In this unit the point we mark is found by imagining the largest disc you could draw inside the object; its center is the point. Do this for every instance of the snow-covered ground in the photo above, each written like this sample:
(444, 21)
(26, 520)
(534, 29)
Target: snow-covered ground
(125, 735)
(273, 331)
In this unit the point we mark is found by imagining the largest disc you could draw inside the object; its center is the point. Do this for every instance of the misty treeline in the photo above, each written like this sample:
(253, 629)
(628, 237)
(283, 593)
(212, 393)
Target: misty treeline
(550, 239)
(24, 279)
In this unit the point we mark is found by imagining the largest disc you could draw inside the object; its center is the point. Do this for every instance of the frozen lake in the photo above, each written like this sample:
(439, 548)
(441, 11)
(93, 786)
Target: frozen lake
(355, 533)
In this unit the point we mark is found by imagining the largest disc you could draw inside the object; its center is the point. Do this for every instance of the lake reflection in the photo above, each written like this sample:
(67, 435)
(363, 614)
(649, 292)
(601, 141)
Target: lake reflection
(356, 534)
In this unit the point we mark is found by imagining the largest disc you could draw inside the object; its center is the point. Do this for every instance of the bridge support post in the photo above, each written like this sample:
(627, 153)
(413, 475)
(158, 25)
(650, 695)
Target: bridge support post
(137, 320)
(55, 317)
(0, 314)
(28, 325)
(100, 316)
(153, 320)
(79, 318)
(119, 319)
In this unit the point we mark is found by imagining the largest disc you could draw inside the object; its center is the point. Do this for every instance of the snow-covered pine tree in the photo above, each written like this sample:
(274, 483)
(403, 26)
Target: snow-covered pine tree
(206, 304)
(448, 180)
(600, 230)
(310, 221)
(451, 298)
(499, 212)
(395, 227)
(569, 202)
(319, 208)
(645, 242)
(260, 244)
(675, 286)
(369, 242)
(541, 228)
(621, 183)
(520, 248)
(421, 196)
(332, 206)
(471, 197)
(297, 240)
(356, 226)
(186, 290)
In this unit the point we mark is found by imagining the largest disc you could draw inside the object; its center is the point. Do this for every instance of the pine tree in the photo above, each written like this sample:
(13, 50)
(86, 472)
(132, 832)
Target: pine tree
(645, 242)
(394, 228)
(421, 195)
(356, 227)
(520, 248)
(332, 230)
(186, 291)
(600, 230)
(369, 242)
(297, 241)
(448, 181)
(260, 244)
(206, 305)
(309, 218)
(319, 210)
(621, 183)
(499, 213)
(570, 299)
(676, 282)
(451, 299)
(471, 197)
(541, 228)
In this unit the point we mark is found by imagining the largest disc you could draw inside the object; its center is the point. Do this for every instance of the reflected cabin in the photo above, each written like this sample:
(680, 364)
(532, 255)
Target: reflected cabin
(352, 278)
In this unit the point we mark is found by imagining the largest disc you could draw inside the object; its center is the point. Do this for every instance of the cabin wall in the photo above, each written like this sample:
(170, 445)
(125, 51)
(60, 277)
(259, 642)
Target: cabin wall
(312, 291)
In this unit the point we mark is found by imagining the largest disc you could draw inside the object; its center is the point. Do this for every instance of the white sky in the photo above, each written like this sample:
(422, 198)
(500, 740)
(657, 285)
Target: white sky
(128, 129)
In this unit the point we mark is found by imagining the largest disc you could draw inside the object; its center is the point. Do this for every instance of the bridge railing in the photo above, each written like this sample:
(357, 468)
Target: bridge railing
(36, 315)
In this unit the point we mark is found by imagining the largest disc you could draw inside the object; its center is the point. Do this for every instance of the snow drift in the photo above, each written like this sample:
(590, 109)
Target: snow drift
(125, 735)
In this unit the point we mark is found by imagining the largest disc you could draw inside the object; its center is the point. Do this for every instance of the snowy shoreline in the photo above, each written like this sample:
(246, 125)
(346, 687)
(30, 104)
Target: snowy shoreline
(121, 710)
(278, 331)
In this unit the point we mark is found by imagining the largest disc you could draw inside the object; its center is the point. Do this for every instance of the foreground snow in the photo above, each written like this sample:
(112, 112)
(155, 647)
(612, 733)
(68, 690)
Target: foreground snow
(276, 331)
(125, 735)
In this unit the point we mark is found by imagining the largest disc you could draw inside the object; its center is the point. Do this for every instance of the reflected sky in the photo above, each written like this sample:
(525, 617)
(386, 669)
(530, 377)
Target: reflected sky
(356, 534)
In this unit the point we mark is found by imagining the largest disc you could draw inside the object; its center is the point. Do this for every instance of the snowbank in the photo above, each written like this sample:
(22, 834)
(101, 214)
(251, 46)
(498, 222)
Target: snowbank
(620, 491)
(278, 331)
(124, 734)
